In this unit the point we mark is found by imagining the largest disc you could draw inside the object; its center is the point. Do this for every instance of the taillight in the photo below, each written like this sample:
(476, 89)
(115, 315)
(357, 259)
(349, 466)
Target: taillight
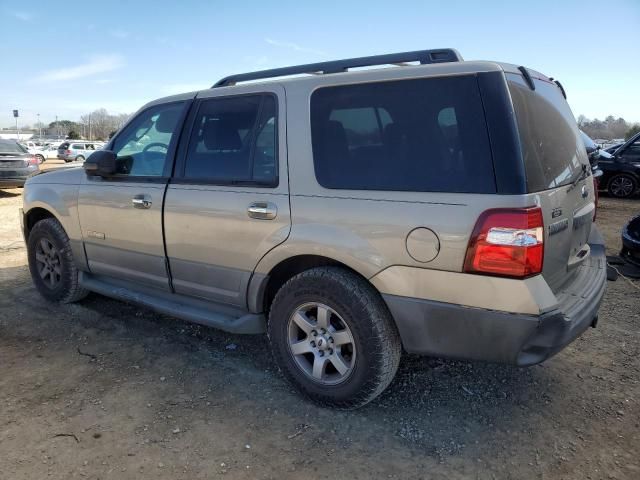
(68, 152)
(33, 160)
(507, 242)
(596, 187)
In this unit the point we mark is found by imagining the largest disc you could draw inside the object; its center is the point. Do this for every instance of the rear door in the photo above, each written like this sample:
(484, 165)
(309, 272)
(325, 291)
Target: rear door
(557, 171)
(228, 203)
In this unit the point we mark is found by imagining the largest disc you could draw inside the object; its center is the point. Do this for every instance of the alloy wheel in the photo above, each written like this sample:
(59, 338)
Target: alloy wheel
(321, 343)
(48, 263)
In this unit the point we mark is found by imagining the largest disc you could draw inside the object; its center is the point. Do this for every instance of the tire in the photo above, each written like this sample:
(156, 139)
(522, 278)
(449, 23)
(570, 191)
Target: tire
(40, 158)
(79, 158)
(366, 340)
(48, 239)
(622, 185)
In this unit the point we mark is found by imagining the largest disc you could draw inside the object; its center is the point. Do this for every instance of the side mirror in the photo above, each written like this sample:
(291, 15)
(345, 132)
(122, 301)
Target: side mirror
(101, 163)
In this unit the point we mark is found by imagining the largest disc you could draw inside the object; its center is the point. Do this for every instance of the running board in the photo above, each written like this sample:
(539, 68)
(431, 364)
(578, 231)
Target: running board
(186, 308)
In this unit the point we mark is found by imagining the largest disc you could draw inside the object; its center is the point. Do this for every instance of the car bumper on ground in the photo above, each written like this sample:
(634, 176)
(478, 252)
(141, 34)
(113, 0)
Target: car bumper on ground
(12, 182)
(448, 330)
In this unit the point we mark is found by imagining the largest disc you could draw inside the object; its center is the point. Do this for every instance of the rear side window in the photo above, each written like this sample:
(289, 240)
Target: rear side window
(552, 148)
(425, 135)
(234, 141)
(63, 146)
(77, 146)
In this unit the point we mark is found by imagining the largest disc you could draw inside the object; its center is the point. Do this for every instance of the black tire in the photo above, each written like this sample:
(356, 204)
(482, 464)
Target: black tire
(622, 185)
(375, 337)
(79, 158)
(65, 288)
(40, 158)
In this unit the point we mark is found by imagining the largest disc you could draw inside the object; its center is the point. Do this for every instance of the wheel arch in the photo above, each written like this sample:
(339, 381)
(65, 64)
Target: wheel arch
(264, 286)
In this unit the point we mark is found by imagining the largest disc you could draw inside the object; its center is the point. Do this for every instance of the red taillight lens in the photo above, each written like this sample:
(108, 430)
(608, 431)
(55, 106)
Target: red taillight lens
(68, 152)
(33, 160)
(507, 242)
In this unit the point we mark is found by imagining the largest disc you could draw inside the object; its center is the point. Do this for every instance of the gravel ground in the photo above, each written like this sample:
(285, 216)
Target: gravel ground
(102, 389)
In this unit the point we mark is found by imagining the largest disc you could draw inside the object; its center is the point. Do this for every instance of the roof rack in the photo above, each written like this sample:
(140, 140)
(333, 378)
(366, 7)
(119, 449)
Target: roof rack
(440, 55)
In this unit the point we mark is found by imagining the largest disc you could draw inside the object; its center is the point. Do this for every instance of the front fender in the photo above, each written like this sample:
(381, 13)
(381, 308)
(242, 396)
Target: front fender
(60, 201)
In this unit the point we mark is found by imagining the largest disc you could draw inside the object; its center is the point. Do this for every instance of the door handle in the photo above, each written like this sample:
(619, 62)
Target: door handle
(141, 201)
(262, 210)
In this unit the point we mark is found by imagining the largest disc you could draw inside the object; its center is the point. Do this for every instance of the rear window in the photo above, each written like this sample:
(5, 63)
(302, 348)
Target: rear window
(552, 148)
(424, 135)
(7, 146)
(63, 146)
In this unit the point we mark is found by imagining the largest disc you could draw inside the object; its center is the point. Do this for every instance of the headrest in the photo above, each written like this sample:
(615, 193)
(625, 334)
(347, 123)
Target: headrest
(218, 135)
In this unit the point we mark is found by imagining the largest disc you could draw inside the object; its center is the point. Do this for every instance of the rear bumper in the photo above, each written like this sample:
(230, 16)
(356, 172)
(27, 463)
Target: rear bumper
(12, 182)
(450, 330)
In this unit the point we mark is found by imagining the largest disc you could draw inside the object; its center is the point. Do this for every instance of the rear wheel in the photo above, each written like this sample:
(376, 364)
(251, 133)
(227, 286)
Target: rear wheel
(333, 337)
(51, 263)
(622, 185)
(79, 158)
(40, 158)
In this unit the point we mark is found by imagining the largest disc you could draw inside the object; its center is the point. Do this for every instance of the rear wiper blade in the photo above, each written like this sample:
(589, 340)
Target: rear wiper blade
(584, 173)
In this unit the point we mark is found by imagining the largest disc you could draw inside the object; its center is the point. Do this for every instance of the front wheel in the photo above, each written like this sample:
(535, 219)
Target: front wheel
(622, 185)
(333, 337)
(51, 263)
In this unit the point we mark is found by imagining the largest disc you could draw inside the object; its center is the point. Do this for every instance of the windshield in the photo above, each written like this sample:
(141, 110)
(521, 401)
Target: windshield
(7, 146)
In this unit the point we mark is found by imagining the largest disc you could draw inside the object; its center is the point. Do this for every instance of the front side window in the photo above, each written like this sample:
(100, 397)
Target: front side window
(422, 135)
(143, 146)
(234, 141)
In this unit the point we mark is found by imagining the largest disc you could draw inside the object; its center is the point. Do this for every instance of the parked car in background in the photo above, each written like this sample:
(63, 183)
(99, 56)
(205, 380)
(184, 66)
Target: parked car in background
(621, 171)
(77, 150)
(613, 148)
(16, 164)
(49, 152)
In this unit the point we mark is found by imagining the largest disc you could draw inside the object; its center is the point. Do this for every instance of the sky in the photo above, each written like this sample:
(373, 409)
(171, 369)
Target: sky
(67, 58)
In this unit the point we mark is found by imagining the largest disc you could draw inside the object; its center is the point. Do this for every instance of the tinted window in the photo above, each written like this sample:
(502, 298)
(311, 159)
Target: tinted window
(8, 146)
(412, 135)
(142, 147)
(552, 147)
(77, 146)
(234, 140)
(632, 152)
(63, 146)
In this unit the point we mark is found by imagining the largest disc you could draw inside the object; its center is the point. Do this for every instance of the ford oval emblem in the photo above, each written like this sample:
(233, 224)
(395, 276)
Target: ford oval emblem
(585, 192)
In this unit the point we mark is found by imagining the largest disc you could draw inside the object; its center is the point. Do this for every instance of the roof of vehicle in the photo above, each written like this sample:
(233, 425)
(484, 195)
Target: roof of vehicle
(447, 62)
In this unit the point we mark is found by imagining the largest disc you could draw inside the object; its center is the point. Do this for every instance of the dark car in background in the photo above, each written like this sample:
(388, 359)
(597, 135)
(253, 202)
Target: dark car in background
(621, 170)
(16, 164)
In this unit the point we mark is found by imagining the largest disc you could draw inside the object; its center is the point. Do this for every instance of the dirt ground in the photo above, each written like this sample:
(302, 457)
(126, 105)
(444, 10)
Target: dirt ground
(102, 389)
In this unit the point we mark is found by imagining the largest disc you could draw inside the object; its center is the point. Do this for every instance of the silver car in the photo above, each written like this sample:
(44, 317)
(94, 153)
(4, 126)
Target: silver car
(16, 164)
(442, 208)
(76, 150)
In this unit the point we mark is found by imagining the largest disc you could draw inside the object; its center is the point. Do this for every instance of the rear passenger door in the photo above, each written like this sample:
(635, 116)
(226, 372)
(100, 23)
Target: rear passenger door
(228, 203)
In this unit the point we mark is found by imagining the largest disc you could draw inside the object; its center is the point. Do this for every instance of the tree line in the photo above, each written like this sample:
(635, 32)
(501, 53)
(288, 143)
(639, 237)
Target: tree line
(97, 125)
(609, 128)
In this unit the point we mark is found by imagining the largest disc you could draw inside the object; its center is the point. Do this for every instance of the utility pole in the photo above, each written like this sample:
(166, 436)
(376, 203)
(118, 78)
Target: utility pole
(57, 128)
(89, 126)
(39, 128)
(15, 115)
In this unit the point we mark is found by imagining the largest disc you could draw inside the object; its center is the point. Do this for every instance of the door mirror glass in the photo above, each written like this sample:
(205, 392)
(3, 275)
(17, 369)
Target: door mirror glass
(102, 163)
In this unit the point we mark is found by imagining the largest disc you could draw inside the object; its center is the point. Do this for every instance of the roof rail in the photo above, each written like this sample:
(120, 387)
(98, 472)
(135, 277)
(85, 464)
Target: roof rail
(440, 55)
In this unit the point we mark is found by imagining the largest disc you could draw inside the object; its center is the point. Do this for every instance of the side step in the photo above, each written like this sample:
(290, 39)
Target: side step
(186, 308)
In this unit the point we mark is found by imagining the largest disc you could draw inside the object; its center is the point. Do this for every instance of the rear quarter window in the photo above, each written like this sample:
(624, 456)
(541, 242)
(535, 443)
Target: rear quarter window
(424, 135)
(552, 148)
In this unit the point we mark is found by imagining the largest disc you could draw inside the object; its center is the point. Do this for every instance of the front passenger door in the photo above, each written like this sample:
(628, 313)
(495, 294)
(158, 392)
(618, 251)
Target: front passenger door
(121, 216)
